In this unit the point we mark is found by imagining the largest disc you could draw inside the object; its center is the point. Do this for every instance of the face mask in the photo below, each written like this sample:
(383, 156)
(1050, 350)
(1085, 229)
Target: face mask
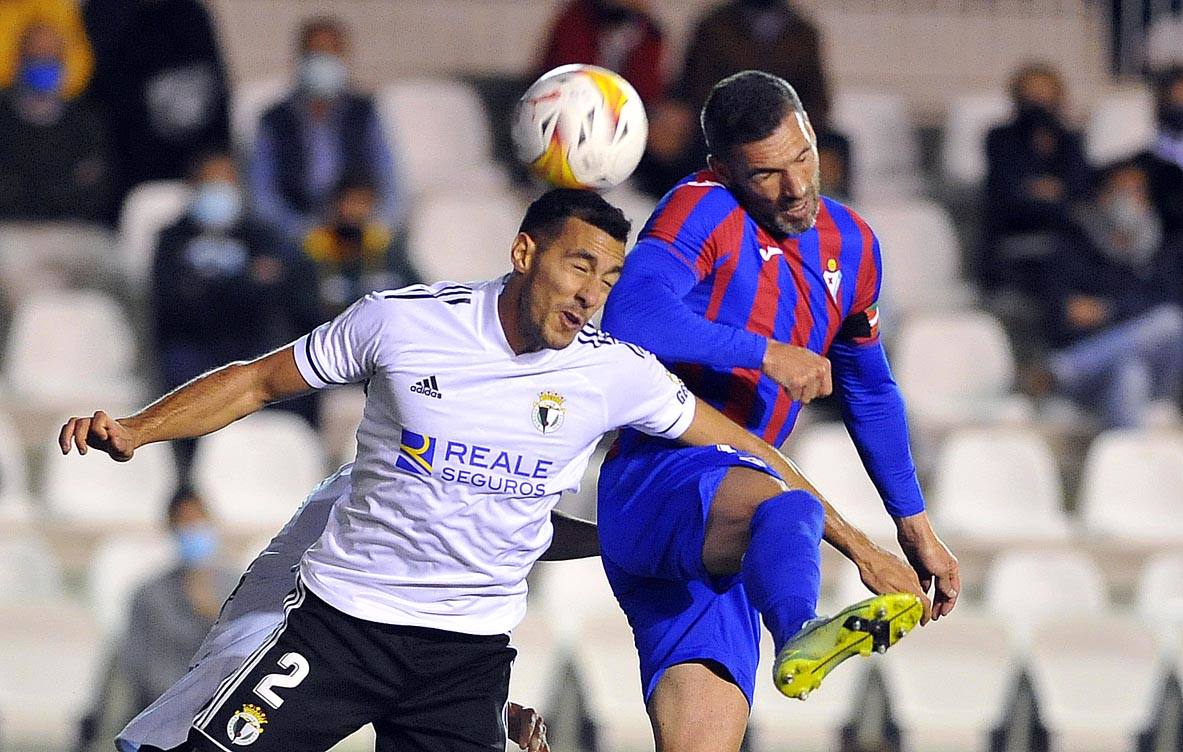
(196, 544)
(1127, 213)
(42, 76)
(322, 75)
(217, 205)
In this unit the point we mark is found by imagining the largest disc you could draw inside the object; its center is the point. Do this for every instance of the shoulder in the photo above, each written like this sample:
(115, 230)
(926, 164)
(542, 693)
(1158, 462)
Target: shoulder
(595, 343)
(699, 203)
(439, 296)
(849, 223)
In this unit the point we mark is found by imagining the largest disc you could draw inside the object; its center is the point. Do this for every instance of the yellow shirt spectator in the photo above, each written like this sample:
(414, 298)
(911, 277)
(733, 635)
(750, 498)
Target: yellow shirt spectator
(63, 15)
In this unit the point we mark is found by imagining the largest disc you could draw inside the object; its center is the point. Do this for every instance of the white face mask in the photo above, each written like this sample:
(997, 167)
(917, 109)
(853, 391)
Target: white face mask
(322, 75)
(217, 205)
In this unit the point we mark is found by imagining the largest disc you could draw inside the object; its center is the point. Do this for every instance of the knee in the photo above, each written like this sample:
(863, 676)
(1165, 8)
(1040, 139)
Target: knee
(795, 512)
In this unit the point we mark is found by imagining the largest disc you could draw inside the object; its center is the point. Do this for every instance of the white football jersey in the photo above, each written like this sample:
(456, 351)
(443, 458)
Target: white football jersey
(463, 450)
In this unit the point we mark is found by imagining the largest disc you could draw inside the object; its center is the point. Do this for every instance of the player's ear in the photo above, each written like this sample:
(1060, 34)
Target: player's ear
(522, 252)
(719, 167)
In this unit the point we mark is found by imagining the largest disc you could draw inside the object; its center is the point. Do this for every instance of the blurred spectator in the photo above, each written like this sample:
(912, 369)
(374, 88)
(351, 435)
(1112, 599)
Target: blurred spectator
(354, 253)
(169, 617)
(1112, 289)
(224, 287)
(65, 18)
(54, 164)
(619, 35)
(1164, 161)
(161, 79)
(321, 132)
(767, 35)
(1036, 171)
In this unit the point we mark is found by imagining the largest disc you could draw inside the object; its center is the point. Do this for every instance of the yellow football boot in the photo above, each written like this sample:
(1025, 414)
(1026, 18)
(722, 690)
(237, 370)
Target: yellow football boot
(872, 625)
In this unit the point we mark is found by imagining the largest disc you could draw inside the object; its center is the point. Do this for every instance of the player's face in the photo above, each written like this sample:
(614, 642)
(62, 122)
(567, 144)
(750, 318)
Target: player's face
(566, 282)
(776, 179)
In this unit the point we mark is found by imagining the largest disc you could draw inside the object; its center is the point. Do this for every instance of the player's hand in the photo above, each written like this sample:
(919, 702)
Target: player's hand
(884, 572)
(527, 729)
(935, 564)
(100, 431)
(804, 374)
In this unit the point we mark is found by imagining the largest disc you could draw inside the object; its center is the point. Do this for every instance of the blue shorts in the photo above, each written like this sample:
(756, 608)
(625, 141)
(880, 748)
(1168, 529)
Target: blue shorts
(654, 498)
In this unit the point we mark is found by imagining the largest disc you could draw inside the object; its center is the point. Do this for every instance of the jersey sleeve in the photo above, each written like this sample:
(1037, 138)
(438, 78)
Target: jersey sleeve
(345, 350)
(861, 325)
(688, 226)
(644, 395)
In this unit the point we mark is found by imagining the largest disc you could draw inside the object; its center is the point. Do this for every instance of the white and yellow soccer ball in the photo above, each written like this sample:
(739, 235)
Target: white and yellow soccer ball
(580, 126)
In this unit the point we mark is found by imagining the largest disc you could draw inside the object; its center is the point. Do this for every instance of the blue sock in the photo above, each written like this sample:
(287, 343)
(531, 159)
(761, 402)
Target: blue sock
(782, 567)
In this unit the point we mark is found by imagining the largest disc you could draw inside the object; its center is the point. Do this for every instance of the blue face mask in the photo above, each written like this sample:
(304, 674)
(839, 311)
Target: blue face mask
(217, 205)
(196, 544)
(322, 75)
(42, 76)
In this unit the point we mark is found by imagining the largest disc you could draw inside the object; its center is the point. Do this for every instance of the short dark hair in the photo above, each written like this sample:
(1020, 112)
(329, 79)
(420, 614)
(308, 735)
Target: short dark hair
(315, 25)
(545, 217)
(746, 107)
(1026, 71)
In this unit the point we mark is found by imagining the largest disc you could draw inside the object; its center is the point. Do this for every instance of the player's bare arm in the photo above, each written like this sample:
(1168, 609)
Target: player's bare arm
(804, 374)
(204, 405)
(880, 570)
(935, 564)
(574, 538)
(526, 728)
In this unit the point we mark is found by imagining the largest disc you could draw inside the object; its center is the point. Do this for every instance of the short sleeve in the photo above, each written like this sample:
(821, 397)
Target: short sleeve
(345, 350)
(861, 325)
(647, 397)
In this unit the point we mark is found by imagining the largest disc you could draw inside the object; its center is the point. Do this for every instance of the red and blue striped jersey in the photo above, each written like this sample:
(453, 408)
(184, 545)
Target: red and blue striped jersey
(807, 290)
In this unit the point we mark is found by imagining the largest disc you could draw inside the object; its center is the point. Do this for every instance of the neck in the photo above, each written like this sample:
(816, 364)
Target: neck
(509, 311)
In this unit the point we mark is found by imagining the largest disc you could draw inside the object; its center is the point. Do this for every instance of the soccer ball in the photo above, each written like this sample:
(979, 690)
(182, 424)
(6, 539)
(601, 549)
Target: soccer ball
(580, 126)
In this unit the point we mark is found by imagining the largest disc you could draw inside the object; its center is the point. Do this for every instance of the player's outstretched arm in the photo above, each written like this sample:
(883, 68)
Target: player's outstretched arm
(526, 728)
(880, 570)
(202, 406)
(573, 539)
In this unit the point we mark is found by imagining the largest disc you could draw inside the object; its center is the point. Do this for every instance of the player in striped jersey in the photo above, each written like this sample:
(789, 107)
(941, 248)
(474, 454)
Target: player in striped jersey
(762, 295)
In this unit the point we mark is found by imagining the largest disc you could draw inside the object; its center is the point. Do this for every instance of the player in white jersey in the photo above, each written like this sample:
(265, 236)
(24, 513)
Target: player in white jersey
(484, 403)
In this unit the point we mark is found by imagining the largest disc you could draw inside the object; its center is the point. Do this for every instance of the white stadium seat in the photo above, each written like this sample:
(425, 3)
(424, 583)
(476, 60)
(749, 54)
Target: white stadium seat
(537, 670)
(117, 569)
(148, 209)
(256, 472)
(963, 150)
(957, 369)
(248, 101)
(998, 486)
(921, 257)
(440, 132)
(1120, 125)
(48, 669)
(1132, 488)
(463, 237)
(1160, 595)
(1027, 587)
(885, 150)
(828, 458)
(950, 682)
(14, 483)
(29, 571)
(94, 492)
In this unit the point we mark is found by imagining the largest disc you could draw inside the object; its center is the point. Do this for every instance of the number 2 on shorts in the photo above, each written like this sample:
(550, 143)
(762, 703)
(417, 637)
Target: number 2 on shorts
(294, 661)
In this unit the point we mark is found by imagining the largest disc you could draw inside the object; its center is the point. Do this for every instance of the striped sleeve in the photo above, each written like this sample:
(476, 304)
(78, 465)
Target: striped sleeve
(344, 350)
(861, 325)
(687, 224)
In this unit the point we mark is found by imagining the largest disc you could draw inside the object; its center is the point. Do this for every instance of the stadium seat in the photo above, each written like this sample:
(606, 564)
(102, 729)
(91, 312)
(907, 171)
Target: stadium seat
(579, 605)
(921, 257)
(441, 242)
(14, 483)
(256, 472)
(1120, 125)
(963, 150)
(1013, 498)
(148, 209)
(1132, 486)
(29, 571)
(439, 129)
(1027, 587)
(117, 569)
(248, 101)
(68, 351)
(1160, 595)
(949, 684)
(537, 670)
(957, 369)
(37, 256)
(97, 494)
(48, 671)
(885, 151)
(828, 458)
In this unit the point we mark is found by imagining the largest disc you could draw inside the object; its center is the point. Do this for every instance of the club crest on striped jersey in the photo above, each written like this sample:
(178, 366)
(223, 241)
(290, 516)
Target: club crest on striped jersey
(548, 412)
(416, 452)
(833, 277)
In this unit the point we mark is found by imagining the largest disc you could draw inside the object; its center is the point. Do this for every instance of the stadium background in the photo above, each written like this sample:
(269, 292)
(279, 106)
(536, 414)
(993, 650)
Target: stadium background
(1069, 629)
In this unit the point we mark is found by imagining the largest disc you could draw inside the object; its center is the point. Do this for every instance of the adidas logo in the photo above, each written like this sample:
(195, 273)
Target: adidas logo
(428, 387)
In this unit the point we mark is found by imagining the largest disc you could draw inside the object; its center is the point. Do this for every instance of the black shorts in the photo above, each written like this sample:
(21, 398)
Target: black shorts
(324, 674)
